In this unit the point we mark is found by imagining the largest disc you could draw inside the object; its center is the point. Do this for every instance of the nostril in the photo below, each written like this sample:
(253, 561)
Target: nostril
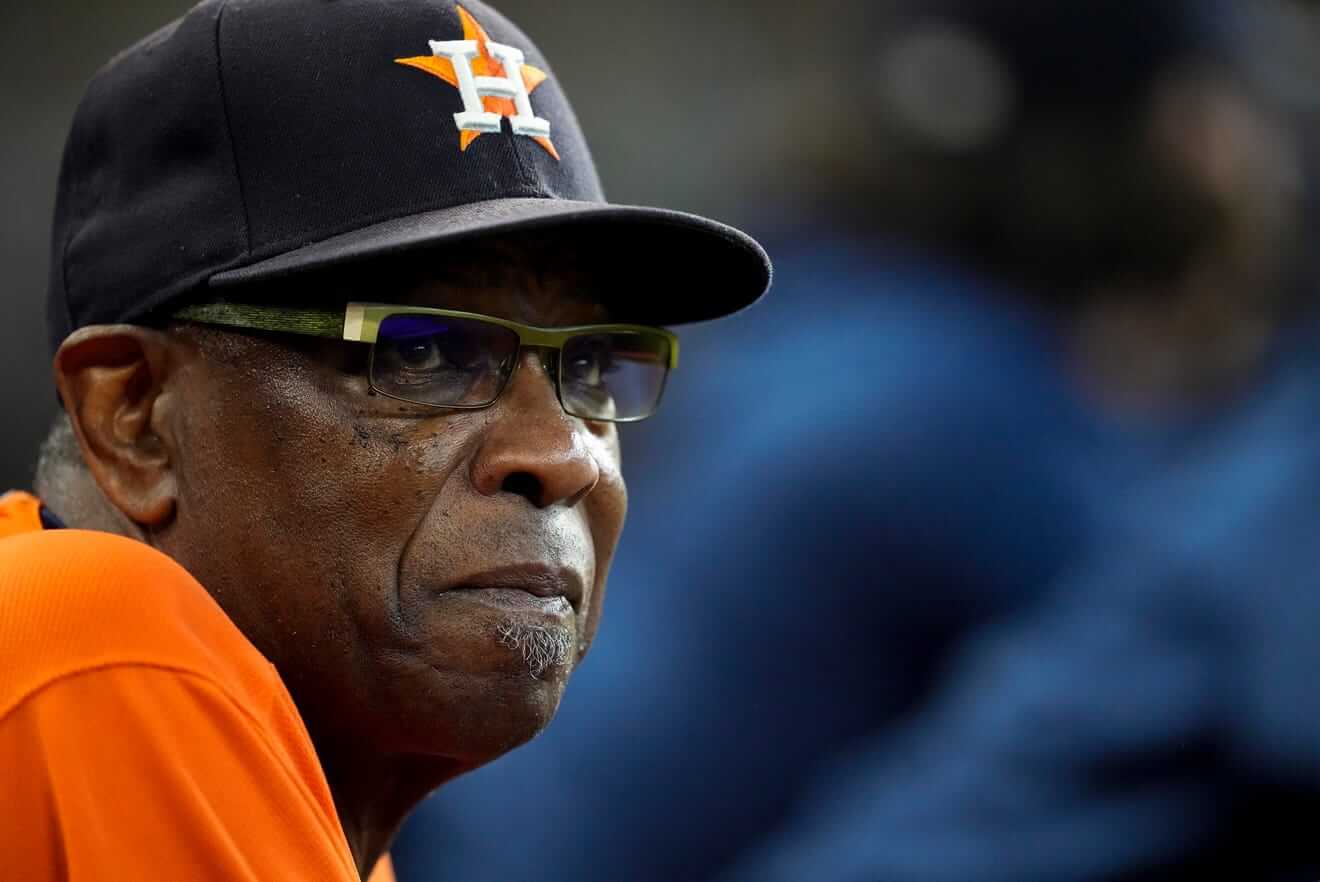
(526, 485)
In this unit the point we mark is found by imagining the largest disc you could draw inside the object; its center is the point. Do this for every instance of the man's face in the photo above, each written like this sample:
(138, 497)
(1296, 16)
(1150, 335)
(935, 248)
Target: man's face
(424, 580)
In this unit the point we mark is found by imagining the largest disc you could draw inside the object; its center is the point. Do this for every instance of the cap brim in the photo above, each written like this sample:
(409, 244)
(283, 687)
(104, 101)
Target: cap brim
(660, 267)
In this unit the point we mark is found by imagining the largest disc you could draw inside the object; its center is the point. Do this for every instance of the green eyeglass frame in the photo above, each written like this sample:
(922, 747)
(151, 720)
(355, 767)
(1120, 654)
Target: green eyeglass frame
(361, 323)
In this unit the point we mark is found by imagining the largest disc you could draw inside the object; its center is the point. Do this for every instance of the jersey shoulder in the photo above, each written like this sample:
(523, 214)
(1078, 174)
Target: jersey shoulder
(73, 602)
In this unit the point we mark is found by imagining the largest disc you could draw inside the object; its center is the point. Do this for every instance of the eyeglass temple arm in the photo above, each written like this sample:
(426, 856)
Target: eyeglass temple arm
(319, 322)
(308, 322)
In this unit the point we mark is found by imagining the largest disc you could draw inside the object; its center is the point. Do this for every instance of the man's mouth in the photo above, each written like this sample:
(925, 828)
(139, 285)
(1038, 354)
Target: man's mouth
(515, 600)
(532, 609)
(539, 587)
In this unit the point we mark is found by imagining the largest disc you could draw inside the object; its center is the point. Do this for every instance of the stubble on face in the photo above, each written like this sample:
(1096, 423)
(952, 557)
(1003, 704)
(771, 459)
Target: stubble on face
(540, 647)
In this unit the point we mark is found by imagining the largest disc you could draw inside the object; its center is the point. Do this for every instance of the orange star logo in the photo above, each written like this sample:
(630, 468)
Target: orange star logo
(484, 64)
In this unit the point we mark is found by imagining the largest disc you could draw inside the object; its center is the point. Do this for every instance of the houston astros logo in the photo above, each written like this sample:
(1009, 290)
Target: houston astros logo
(493, 82)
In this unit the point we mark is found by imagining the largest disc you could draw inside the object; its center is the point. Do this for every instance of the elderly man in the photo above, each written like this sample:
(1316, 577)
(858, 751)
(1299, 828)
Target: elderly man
(342, 327)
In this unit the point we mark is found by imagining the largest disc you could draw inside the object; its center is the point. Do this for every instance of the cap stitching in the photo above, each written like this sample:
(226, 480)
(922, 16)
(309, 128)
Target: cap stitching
(229, 129)
(523, 173)
(85, 199)
(64, 282)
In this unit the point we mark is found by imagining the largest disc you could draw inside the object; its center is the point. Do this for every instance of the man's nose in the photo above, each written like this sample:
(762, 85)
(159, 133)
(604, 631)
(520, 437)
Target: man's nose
(532, 448)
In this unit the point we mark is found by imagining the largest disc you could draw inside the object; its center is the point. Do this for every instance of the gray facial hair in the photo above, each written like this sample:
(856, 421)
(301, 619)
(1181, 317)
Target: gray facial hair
(540, 646)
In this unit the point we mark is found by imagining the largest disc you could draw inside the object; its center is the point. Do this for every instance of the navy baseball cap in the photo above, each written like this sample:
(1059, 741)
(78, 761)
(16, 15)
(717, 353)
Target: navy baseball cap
(255, 139)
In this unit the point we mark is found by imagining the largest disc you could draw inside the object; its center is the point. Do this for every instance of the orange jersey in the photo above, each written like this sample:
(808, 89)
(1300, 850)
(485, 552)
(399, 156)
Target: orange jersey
(142, 736)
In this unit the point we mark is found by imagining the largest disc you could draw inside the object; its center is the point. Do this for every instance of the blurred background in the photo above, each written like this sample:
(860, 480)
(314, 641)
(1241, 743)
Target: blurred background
(984, 548)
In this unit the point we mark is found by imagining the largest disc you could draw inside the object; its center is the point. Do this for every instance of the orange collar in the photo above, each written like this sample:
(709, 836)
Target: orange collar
(19, 513)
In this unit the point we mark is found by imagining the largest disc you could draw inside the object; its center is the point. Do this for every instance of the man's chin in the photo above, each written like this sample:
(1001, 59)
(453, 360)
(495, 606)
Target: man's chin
(498, 701)
(523, 696)
(479, 680)
(500, 712)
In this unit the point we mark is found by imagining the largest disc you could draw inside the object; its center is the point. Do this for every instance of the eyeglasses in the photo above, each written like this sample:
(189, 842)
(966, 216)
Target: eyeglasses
(463, 361)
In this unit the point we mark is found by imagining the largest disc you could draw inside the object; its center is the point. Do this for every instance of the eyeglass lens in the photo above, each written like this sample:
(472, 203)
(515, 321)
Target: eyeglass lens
(443, 361)
(456, 362)
(613, 376)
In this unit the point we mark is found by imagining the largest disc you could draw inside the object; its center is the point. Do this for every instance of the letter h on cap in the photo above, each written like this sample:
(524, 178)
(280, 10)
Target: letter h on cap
(474, 117)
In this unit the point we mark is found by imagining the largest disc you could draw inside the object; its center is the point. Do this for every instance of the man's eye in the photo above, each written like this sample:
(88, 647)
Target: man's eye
(591, 368)
(419, 355)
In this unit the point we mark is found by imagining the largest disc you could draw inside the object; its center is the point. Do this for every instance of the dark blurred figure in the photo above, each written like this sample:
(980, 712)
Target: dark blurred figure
(1159, 720)
(1049, 252)
(1156, 718)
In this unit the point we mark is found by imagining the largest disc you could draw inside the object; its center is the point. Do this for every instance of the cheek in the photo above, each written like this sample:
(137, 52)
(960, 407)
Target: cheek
(607, 509)
(312, 504)
(608, 504)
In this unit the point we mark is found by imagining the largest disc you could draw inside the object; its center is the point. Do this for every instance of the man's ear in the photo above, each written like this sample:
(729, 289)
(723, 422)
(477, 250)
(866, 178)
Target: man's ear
(112, 380)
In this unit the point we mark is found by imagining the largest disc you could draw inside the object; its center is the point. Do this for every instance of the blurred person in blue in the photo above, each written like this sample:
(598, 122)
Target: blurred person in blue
(1156, 717)
(1157, 721)
(1013, 297)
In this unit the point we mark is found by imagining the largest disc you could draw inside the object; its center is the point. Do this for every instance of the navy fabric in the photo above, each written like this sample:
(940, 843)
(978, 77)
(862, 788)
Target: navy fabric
(1159, 720)
(51, 521)
(842, 486)
(149, 201)
(381, 141)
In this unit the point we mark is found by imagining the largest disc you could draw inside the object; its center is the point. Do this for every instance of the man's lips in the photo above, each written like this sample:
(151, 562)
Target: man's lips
(538, 580)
